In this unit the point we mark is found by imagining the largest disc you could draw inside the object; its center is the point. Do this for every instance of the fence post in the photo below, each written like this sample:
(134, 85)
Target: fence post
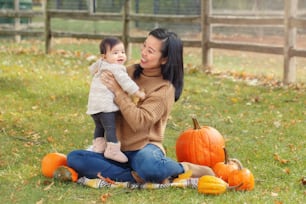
(17, 20)
(91, 6)
(126, 24)
(206, 8)
(47, 27)
(290, 42)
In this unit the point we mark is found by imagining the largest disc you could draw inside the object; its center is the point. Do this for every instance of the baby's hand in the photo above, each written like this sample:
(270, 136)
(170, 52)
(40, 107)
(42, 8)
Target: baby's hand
(141, 94)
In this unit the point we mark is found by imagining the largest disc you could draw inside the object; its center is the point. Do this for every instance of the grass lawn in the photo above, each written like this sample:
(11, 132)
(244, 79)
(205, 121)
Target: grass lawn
(42, 110)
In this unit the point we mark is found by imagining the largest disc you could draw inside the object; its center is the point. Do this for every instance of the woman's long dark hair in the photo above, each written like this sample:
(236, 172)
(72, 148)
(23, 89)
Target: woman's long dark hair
(173, 69)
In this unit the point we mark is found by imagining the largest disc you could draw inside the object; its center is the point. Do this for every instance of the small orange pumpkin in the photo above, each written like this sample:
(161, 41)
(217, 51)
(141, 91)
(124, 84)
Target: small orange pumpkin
(244, 176)
(200, 145)
(65, 173)
(51, 162)
(223, 169)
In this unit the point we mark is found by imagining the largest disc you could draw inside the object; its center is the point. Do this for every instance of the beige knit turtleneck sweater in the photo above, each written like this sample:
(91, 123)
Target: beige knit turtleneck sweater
(138, 125)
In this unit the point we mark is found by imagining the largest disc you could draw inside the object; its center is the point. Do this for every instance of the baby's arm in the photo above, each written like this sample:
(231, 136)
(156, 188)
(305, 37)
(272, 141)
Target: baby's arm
(124, 80)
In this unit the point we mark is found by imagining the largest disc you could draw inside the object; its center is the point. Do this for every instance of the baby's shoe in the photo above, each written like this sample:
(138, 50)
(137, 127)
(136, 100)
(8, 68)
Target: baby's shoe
(113, 152)
(99, 145)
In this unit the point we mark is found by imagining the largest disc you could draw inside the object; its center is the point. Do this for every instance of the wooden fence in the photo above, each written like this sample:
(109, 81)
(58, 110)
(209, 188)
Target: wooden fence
(289, 21)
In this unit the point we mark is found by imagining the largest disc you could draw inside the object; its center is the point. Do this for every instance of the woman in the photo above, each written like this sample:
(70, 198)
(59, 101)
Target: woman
(141, 127)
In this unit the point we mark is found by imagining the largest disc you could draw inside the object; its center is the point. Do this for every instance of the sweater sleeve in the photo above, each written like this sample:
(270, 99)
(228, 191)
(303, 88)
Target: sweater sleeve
(149, 111)
(122, 77)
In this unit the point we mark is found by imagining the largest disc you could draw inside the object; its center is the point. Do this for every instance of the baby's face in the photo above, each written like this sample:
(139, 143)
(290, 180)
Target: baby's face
(116, 55)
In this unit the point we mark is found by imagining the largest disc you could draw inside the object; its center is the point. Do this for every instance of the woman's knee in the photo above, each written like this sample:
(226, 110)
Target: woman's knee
(72, 158)
(75, 159)
(148, 166)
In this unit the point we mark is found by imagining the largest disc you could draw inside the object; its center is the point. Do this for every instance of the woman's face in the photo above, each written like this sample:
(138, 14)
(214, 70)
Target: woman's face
(151, 56)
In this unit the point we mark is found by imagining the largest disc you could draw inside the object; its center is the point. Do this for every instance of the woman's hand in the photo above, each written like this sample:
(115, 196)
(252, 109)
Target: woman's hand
(108, 79)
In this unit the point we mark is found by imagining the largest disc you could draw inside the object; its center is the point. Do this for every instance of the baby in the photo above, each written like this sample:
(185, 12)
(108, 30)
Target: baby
(101, 104)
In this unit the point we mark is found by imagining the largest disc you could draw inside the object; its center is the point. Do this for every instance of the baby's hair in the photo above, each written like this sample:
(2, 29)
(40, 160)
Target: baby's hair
(108, 42)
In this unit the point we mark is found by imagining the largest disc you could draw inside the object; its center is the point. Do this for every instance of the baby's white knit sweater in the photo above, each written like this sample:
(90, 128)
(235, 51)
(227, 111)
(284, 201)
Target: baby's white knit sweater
(100, 98)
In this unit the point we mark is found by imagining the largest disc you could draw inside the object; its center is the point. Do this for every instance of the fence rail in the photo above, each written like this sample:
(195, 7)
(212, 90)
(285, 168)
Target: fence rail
(19, 14)
(288, 20)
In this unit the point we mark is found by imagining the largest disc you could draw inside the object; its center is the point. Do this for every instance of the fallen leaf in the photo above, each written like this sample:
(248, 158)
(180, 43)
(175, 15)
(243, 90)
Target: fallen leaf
(49, 186)
(287, 170)
(53, 98)
(276, 157)
(278, 202)
(303, 180)
(41, 201)
(256, 99)
(108, 180)
(50, 139)
(46, 182)
(292, 147)
(104, 197)
(234, 100)
(34, 107)
(277, 124)
(279, 159)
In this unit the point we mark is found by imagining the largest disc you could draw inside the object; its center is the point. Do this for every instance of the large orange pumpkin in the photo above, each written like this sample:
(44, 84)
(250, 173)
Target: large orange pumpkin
(244, 176)
(223, 169)
(200, 145)
(51, 162)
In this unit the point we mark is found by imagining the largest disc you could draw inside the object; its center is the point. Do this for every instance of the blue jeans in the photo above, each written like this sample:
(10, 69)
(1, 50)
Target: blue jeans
(150, 163)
